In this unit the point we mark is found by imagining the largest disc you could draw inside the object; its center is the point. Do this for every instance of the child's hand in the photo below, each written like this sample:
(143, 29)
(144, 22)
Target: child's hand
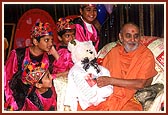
(63, 74)
(53, 52)
(67, 108)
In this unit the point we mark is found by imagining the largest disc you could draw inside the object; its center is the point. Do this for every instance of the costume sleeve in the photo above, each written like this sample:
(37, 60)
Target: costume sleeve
(64, 63)
(80, 35)
(28, 105)
(10, 69)
(148, 67)
(97, 43)
(54, 96)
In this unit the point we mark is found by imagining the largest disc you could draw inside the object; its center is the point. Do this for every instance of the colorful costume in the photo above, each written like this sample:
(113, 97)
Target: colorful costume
(83, 33)
(11, 68)
(139, 64)
(64, 63)
(18, 83)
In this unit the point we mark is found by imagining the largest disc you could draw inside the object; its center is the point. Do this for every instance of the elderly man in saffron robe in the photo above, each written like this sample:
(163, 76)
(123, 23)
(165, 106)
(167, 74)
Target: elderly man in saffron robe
(132, 66)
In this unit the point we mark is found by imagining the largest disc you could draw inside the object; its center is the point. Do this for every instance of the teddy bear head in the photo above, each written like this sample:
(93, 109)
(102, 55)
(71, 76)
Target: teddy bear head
(82, 50)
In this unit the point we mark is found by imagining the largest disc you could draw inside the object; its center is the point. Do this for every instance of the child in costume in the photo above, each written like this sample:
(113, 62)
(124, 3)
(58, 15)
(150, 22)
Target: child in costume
(40, 90)
(85, 29)
(66, 33)
(42, 43)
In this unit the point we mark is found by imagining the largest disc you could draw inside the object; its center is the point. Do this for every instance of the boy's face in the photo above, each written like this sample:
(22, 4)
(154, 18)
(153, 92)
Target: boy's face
(47, 80)
(68, 36)
(89, 13)
(46, 43)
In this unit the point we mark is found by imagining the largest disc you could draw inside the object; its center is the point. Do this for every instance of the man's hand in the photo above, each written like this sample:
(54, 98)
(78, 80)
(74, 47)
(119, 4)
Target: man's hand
(126, 83)
(63, 74)
(103, 81)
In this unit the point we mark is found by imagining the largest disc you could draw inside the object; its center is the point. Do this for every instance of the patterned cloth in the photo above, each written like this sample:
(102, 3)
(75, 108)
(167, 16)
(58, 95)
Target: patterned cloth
(33, 73)
(60, 85)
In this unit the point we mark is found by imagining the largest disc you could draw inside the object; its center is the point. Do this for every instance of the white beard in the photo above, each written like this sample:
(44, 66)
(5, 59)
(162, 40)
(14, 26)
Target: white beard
(128, 48)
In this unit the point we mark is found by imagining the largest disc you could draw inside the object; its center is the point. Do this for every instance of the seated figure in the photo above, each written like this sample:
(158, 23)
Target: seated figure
(152, 97)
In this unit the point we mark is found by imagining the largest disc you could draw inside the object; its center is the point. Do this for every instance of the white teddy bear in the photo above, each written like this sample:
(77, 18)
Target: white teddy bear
(82, 86)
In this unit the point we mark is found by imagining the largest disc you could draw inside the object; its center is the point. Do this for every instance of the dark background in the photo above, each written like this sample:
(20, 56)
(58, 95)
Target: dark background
(110, 27)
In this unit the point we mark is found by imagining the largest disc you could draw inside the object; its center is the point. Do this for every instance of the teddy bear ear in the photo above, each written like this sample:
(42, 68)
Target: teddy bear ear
(92, 47)
(72, 44)
(90, 42)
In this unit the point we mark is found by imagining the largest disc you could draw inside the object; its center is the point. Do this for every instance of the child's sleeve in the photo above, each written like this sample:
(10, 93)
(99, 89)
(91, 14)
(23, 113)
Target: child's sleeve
(10, 68)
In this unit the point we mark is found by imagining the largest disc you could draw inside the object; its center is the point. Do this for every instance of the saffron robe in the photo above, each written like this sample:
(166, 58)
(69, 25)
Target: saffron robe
(138, 64)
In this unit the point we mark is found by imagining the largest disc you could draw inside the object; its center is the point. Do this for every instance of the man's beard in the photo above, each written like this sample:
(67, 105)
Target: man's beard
(128, 48)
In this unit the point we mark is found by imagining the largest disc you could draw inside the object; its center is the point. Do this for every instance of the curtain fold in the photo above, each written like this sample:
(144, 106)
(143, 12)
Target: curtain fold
(141, 23)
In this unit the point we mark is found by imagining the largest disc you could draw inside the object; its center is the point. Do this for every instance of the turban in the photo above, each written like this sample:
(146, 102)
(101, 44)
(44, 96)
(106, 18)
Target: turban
(33, 73)
(64, 24)
(41, 29)
(85, 5)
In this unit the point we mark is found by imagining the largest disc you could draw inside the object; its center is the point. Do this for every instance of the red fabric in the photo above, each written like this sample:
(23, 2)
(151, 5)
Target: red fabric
(160, 58)
(146, 40)
(73, 16)
(25, 23)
